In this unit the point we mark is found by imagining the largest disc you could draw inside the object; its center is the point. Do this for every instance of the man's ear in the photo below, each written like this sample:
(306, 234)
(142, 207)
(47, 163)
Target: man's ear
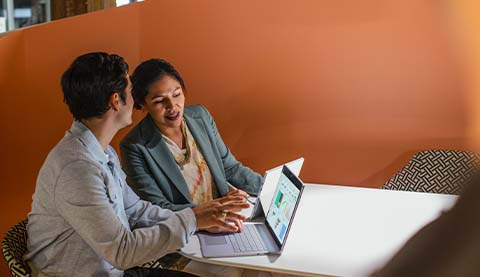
(114, 101)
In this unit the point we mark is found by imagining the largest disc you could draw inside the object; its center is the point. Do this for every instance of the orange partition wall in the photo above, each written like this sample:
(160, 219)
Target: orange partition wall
(33, 116)
(355, 87)
(467, 24)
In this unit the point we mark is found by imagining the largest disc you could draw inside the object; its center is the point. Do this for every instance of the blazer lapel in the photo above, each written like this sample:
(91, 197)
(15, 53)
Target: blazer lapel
(164, 158)
(199, 132)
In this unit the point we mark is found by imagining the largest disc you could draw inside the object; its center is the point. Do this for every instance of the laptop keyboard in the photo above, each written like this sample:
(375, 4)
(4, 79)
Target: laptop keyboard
(248, 240)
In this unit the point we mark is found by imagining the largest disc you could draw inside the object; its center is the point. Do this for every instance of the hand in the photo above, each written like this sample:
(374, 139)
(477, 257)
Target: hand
(237, 223)
(237, 192)
(238, 202)
(216, 214)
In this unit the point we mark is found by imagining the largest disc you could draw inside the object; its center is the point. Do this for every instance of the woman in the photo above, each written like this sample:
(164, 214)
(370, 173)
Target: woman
(175, 157)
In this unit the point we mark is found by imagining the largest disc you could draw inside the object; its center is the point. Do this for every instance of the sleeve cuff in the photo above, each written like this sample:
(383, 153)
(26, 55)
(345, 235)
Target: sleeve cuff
(189, 221)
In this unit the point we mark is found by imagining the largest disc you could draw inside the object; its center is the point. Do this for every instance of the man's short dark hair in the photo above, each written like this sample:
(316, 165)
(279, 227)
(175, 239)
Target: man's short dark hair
(149, 72)
(90, 81)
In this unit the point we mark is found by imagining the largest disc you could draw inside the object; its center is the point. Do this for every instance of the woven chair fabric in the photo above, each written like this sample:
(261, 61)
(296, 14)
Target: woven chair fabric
(14, 246)
(436, 171)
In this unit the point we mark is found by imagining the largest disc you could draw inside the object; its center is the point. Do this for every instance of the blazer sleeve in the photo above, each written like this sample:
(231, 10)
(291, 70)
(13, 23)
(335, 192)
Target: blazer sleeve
(238, 175)
(81, 198)
(141, 180)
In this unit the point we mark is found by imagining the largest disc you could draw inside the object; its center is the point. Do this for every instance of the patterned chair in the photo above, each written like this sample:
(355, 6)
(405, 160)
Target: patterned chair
(14, 246)
(438, 171)
(172, 261)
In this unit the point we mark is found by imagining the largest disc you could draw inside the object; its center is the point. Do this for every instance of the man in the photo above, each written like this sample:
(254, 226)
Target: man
(85, 220)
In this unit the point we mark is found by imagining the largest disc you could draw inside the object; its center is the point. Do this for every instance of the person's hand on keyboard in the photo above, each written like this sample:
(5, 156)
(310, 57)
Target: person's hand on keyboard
(220, 215)
(234, 222)
(238, 192)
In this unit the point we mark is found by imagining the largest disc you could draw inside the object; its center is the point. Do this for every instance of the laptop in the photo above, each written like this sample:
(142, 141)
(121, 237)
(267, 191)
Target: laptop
(265, 195)
(259, 238)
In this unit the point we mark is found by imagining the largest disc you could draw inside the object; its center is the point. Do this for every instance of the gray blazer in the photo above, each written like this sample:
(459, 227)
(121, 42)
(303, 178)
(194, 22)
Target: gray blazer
(154, 175)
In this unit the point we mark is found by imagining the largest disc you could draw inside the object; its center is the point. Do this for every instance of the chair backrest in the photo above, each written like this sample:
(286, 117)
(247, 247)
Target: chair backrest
(438, 171)
(14, 246)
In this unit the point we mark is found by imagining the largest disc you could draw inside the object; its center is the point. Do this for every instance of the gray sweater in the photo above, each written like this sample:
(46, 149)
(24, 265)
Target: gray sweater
(86, 221)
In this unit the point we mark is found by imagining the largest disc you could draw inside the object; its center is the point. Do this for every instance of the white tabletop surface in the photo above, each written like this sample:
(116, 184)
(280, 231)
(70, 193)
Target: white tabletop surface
(343, 231)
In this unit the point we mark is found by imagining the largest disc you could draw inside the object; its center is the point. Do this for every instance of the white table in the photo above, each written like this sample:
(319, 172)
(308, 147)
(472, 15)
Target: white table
(343, 231)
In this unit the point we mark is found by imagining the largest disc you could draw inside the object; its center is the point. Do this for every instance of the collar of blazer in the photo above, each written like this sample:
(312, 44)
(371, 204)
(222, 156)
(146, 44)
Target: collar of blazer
(163, 157)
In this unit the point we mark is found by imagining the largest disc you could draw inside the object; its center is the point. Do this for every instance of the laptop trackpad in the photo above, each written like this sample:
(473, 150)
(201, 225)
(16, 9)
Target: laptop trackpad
(215, 240)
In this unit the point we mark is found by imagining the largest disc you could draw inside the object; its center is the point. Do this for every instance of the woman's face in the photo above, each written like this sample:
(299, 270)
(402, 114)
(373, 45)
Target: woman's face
(165, 102)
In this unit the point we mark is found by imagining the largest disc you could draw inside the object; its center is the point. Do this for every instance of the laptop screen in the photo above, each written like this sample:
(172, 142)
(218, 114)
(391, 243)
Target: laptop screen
(271, 180)
(283, 205)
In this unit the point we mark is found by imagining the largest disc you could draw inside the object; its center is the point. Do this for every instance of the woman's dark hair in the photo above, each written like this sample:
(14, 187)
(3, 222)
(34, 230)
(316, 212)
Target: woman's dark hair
(149, 72)
(90, 81)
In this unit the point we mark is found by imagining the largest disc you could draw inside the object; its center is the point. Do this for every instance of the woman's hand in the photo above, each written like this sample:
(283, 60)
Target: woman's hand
(236, 192)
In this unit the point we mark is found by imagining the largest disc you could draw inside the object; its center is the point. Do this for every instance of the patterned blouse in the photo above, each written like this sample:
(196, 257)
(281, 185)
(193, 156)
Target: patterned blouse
(196, 172)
